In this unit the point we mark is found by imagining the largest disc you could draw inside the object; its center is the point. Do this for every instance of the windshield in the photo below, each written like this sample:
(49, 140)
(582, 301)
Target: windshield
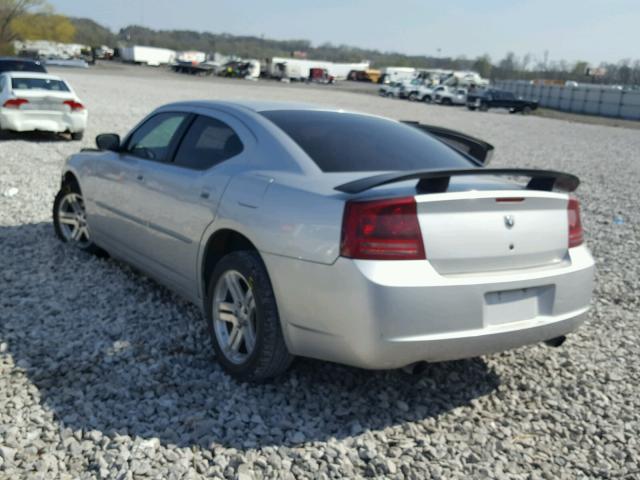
(39, 84)
(348, 142)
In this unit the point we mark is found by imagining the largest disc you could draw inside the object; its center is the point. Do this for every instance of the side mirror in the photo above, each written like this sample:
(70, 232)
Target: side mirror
(108, 141)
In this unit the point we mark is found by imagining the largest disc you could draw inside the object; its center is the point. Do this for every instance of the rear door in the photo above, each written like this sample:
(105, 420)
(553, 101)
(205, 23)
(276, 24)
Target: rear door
(180, 198)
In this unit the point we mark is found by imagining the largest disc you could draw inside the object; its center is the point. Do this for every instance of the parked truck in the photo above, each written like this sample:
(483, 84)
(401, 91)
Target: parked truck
(151, 56)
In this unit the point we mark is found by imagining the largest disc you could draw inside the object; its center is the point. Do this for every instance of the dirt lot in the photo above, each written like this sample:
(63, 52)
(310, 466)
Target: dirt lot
(104, 374)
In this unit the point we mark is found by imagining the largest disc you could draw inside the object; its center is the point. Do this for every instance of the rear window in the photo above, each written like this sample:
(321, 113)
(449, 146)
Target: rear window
(21, 66)
(39, 84)
(348, 142)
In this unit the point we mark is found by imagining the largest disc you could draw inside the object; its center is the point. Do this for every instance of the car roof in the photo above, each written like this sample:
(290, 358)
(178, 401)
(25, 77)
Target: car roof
(21, 74)
(253, 105)
(18, 59)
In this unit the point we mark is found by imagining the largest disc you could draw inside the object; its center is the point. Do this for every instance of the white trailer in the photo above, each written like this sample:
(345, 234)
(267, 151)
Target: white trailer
(151, 56)
(299, 68)
(398, 74)
(191, 56)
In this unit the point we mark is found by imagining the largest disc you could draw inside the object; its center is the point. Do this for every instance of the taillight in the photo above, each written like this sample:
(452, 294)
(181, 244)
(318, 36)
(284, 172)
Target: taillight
(576, 235)
(15, 102)
(73, 105)
(382, 230)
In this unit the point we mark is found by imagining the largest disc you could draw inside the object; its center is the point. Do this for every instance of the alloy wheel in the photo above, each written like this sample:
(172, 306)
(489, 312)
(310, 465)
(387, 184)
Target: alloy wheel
(72, 219)
(234, 316)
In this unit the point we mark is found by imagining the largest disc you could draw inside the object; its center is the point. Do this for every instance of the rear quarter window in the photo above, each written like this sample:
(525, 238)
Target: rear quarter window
(349, 142)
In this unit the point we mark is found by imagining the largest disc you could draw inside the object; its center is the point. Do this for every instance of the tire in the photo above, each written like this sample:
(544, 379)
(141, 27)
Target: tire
(413, 96)
(426, 99)
(446, 101)
(483, 107)
(72, 228)
(471, 107)
(261, 352)
(77, 136)
(526, 110)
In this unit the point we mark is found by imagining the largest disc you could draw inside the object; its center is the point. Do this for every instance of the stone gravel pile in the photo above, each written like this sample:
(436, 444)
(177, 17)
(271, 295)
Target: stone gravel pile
(105, 374)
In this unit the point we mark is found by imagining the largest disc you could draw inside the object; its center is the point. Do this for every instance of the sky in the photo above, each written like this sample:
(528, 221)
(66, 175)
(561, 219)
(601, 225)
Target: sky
(589, 30)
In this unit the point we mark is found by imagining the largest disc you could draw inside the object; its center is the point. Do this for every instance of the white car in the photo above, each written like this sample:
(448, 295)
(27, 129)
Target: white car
(39, 101)
(456, 96)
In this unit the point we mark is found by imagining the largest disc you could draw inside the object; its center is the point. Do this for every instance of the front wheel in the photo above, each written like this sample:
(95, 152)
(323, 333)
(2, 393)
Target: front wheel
(243, 319)
(413, 96)
(77, 135)
(483, 107)
(70, 219)
(526, 110)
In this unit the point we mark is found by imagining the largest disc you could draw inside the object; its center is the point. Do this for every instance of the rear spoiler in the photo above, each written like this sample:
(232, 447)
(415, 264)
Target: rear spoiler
(479, 150)
(437, 181)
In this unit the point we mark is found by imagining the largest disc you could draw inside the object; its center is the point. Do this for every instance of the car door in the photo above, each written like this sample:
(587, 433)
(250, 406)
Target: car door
(118, 217)
(180, 198)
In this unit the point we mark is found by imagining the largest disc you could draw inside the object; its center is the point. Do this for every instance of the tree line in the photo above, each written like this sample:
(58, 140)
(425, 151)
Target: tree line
(36, 20)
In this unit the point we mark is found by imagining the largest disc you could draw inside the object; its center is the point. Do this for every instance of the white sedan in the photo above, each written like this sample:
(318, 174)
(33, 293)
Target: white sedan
(39, 101)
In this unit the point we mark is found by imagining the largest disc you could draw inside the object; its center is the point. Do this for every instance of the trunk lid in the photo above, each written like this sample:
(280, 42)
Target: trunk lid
(43, 100)
(481, 231)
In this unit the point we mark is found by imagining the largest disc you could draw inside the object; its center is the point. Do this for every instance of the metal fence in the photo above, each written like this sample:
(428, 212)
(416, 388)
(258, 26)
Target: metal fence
(606, 102)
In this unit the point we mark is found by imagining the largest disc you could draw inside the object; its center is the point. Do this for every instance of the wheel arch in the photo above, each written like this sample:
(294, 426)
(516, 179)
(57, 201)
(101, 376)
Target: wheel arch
(69, 178)
(220, 243)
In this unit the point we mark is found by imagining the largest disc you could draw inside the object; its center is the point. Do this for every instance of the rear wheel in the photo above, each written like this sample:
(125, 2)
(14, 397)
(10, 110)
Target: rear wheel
(471, 107)
(413, 96)
(483, 107)
(426, 99)
(526, 110)
(77, 135)
(243, 319)
(446, 101)
(70, 219)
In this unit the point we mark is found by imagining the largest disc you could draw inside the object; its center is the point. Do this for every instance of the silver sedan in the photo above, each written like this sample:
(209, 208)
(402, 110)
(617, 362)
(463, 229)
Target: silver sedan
(335, 235)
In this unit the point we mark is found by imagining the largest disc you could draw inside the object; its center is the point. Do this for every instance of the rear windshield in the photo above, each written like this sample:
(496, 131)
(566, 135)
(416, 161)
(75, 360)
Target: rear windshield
(39, 84)
(21, 66)
(348, 142)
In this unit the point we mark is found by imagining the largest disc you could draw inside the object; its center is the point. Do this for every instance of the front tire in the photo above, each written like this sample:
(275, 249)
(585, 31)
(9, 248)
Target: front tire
(243, 319)
(77, 136)
(526, 110)
(483, 107)
(70, 219)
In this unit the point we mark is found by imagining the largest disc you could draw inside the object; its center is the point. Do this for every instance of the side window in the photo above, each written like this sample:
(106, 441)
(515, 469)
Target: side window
(2, 82)
(153, 139)
(207, 143)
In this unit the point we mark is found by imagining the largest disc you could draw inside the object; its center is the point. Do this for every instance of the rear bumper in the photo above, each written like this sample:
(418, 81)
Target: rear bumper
(383, 315)
(26, 121)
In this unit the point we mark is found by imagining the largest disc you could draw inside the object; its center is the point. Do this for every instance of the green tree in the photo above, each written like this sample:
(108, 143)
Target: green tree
(483, 66)
(56, 28)
(12, 10)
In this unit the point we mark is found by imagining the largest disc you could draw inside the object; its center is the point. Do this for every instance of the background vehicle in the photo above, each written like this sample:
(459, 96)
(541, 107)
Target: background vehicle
(281, 221)
(40, 101)
(151, 56)
(320, 75)
(14, 64)
(391, 90)
(491, 98)
(452, 96)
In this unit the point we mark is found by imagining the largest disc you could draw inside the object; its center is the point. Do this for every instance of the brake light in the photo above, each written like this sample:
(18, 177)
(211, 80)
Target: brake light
(382, 230)
(73, 105)
(15, 102)
(576, 235)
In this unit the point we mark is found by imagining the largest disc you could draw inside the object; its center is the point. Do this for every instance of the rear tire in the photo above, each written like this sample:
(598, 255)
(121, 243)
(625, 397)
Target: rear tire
(526, 110)
(76, 136)
(471, 108)
(483, 107)
(446, 101)
(240, 298)
(413, 96)
(426, 99)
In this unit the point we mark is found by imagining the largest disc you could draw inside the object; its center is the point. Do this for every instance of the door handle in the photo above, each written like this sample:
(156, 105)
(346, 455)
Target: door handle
(205, 193)
(140, 177)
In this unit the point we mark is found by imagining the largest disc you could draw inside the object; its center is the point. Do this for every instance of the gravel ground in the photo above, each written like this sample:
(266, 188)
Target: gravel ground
(104, 374)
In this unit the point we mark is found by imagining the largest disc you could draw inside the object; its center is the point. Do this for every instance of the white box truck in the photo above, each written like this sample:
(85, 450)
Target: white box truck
(151, 56)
